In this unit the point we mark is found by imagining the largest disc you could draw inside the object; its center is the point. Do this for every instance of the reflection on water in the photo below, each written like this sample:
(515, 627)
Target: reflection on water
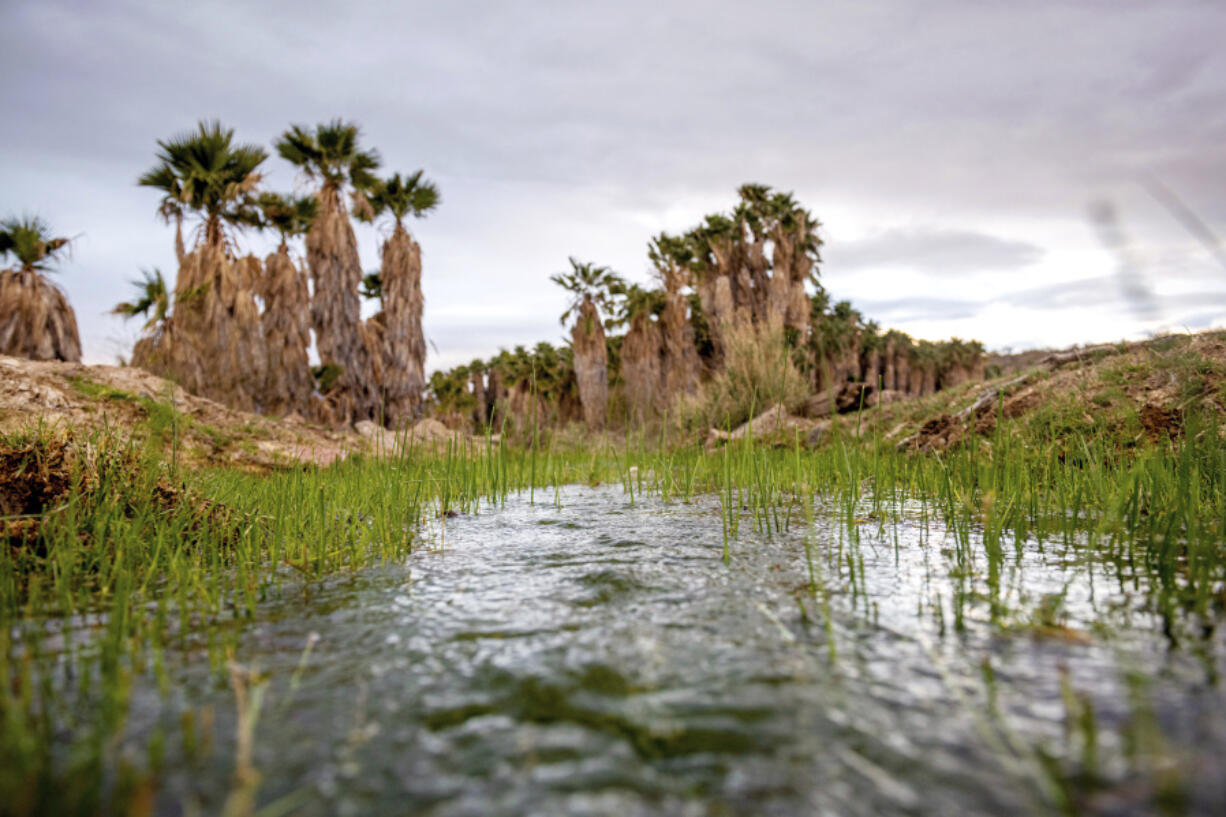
(600, 658)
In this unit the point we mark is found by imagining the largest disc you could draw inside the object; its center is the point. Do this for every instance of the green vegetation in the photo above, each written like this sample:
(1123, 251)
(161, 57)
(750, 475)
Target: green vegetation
(114, 558)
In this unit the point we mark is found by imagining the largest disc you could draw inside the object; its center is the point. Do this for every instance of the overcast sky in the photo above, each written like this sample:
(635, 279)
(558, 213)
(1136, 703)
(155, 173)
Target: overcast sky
(954, 152)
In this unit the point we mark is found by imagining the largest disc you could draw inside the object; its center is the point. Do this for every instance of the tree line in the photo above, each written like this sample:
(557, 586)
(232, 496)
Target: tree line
(734, 283)
(236, 328)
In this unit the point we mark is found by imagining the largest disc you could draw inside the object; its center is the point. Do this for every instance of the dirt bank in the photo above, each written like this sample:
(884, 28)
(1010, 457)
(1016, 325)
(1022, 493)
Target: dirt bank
(1128, 394)
(80, 398)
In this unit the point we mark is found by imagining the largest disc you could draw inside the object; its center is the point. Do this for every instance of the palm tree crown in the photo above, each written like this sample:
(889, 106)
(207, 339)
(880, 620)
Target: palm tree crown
(287, 214)
(636, 301)
(206, 172)
(29, 239)
(152, 297)
(586, 281)
(410, 195)
(330, 154)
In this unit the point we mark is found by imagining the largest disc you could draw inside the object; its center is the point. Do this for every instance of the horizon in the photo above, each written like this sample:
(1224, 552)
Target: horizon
(996, 173)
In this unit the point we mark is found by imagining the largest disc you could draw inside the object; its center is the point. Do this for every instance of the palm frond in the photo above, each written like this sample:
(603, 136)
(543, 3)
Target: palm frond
(287, 214)
(329, 153)
(404, 196)
(204, 171)
(153, 297)
(29, 239)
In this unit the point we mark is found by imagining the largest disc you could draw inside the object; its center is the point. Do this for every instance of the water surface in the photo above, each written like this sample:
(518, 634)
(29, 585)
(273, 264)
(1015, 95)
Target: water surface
(599, 658)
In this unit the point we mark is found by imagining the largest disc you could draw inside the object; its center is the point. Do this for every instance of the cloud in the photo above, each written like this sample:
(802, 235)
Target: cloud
(935, 251)
(899, 310)
(1081, 293)
(558, 129)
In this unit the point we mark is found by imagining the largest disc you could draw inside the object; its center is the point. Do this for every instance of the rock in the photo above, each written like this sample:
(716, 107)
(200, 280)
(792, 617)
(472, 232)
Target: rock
(839, 399)
(430, 430)
(884, 397)
(775, 419)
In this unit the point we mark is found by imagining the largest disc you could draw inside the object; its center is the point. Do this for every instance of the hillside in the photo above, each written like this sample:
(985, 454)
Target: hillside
(82, 398)
(1127, 394)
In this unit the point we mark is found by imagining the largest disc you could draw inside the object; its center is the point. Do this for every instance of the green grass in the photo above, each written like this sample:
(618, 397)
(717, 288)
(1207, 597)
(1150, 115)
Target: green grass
(157, 558)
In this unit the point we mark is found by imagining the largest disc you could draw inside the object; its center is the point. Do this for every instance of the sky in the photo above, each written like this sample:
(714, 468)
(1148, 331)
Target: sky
(1027, 174)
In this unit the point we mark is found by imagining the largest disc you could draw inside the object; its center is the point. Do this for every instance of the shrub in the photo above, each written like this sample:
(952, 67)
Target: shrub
(758, 372)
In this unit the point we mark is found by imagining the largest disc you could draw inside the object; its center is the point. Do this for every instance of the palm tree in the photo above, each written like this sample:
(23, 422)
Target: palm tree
(291, 216)
(871, 342)
(403, 347)
(898, 347)
(206, 173)
(451, 395)
(481, 414)
(592, 289)
(641, 348)
(152, 297)
(921, 380)
(287, 308)
(218, 349)
(846, 322)
(794, 260)
(587, 282)
(329, 155)
(711, 248)
(36, 320)
(679, 363)
(153, 303)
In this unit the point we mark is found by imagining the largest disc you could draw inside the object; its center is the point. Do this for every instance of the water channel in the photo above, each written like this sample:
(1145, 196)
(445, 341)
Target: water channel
(590, 655)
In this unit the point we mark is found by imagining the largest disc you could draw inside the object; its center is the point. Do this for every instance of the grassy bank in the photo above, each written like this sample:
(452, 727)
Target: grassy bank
(120, 560)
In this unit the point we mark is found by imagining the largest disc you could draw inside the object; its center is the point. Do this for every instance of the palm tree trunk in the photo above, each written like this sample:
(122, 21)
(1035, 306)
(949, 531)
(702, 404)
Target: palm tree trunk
(180, 251)
(481, 415)
(953, 376)
(640, 367)
(759, 273)
(336, 310)
(36, 320)
(404, 344)
(591, 365)
(851, 358)
(872, 368)
(219, 349)
(888, 370)
(902, 371)
(679, 364)
(287, 335)
(790, 268)
(715, 293)
(153, 351)
(779, 289)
